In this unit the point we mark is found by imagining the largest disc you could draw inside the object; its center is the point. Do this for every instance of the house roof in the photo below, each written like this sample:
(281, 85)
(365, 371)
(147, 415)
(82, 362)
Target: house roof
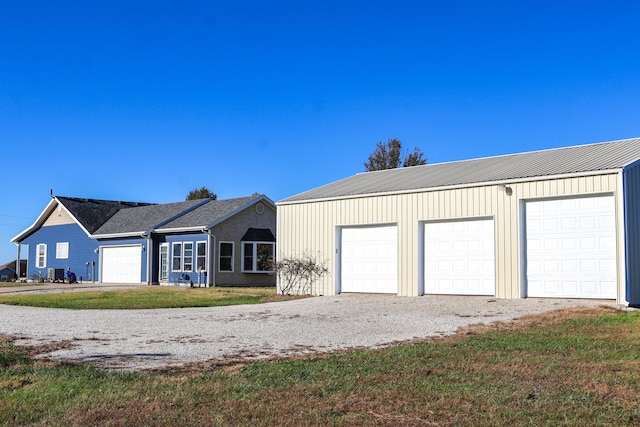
(591, 158)
(93, 213)
(213, 213)
(106, 218)
(12, 266)
(90, 214)
(141, 219)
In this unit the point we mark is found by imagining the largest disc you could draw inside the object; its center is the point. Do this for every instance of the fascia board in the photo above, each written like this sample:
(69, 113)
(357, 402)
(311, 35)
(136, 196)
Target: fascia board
(117, 235)
(177, 230)
(452, 187)
(38, 222)
(48, 210)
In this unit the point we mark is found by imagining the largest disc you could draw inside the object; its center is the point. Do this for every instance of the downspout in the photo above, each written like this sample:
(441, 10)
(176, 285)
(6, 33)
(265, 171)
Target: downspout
(211, 242)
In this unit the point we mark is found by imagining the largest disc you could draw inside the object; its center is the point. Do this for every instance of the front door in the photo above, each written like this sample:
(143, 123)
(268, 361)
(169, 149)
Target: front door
(163, 274)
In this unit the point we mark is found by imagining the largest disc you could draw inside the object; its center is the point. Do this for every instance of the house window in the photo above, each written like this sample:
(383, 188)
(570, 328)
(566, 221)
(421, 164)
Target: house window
(187, 257)
(62, 250)
(176, 257)
(41, 255)
(257, 257)
(201, 256)
(225, 262)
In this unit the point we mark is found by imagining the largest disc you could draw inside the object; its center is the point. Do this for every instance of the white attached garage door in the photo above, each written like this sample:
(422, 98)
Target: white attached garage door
(459, 257)
(571, 248)
(122, 264)
(369, 259)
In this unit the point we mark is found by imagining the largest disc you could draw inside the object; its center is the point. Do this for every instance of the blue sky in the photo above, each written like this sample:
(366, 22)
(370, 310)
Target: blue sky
(144, 101)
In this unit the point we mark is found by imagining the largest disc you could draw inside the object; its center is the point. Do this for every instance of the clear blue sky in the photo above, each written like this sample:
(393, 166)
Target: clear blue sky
(146, 100)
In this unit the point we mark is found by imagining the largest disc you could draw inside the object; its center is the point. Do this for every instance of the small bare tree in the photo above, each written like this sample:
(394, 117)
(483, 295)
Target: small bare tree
(388, 155)
(298, 274)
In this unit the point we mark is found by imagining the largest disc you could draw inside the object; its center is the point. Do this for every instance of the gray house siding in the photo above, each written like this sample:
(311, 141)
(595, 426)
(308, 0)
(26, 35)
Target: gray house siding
(232, 230)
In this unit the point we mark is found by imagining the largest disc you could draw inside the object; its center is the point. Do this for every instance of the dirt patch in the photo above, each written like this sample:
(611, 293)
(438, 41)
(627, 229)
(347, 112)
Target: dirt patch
(153, 339)
(237, 361)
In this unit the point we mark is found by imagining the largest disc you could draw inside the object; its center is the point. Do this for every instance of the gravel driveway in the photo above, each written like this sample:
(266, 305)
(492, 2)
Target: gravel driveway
(141, 339)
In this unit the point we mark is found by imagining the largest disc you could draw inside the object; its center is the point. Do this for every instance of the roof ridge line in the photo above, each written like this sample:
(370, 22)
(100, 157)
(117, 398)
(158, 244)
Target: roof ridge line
(90, 199)
(544, 150)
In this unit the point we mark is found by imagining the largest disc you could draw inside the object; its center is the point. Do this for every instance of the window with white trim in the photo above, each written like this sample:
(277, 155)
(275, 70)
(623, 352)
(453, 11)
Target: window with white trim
(225, 257)
(176, 257)
(62, 250)
(41, 255)
(187, 256)
(257, 257)
(201, 256)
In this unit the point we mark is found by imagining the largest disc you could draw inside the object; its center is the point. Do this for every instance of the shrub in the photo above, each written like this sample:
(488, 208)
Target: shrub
(298, 274)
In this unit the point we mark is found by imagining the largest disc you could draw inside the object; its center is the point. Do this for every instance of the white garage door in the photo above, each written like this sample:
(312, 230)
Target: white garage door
(459, 257)
(370, 259)
(571, 248)
(122, 264)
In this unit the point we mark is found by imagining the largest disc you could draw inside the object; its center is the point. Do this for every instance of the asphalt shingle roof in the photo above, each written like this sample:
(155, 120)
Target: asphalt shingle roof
(207, 214)
(560, 161)
(93, 213)
(143, 218)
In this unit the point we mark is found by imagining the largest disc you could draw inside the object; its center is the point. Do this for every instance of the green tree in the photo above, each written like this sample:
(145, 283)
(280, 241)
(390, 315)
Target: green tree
(389, 156)
(201, 193)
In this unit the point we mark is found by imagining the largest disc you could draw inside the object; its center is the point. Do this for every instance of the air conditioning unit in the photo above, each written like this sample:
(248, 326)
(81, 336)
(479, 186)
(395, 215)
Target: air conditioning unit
(55, 274)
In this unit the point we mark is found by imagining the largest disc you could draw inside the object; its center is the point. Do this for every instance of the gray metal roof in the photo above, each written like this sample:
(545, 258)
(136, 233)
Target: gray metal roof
(560, 161)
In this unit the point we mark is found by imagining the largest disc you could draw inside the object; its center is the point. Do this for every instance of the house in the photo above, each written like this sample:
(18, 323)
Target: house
(561, 223)
(197, 242)
(9, 270)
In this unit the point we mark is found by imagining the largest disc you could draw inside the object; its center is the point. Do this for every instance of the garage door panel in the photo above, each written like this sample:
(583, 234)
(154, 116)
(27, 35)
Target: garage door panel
(122, 264)
(369, 259)
(459, 257)
(570, 248)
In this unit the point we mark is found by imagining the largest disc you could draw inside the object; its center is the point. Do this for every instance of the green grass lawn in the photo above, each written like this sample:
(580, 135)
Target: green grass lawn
(148, 297)
(577, 368)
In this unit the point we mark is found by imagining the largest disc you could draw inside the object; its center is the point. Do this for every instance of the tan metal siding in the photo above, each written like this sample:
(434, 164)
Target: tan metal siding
(318, 222)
